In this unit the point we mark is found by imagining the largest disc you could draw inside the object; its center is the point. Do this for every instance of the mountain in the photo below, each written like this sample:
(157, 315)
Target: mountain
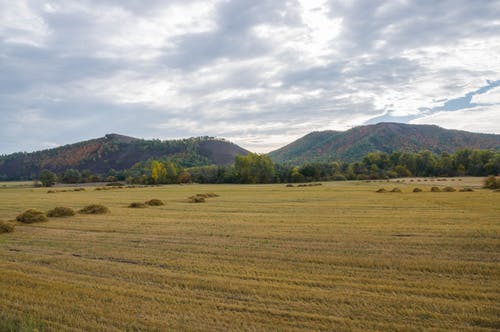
(355, 143)
(118, 152)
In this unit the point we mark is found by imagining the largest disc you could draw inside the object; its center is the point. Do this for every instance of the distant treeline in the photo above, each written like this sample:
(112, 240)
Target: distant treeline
(255, 168)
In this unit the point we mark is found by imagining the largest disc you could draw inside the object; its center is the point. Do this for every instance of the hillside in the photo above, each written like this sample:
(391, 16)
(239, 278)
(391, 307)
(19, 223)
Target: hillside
(355, 143)
(117, 152)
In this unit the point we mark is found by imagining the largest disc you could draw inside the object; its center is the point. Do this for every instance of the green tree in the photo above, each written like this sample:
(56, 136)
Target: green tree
(71, 176)
(254, 168)
(47, 178)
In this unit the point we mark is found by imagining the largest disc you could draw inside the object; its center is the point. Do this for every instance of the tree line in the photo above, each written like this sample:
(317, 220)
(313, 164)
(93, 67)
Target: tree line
(255, 168)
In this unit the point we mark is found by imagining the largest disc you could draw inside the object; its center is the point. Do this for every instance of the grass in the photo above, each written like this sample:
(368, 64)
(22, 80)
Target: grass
(259, 257)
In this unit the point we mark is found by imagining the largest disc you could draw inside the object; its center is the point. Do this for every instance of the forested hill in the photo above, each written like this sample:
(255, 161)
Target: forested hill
(354, 144)
(118, 152)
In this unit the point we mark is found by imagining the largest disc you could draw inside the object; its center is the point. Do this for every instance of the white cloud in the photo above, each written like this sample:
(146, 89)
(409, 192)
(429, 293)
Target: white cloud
(491, 97)
(477, 119)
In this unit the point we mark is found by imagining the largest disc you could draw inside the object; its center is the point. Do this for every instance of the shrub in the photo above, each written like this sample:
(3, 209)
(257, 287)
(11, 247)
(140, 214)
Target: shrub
(94, 209)
(491, 182)
(6, 227)
(435, 189)
(31, 215)
(137, 205)
(61, 211)
(417, 190)
(449, 189)
(466, 190)
(155, 202)
(396, 190)
(381, 190)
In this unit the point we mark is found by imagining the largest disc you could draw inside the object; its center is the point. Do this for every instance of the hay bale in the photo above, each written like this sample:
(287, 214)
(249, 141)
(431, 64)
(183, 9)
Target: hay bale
(94, 209)
(154, 202)
(6, 227)
(211, 194)
(466, 190)
(417, 190)
(137, 205)
(31, 215)
(396, 190)
(61, 211)
(196, 199)
(449, 189)
(435, 189)
(381, 190)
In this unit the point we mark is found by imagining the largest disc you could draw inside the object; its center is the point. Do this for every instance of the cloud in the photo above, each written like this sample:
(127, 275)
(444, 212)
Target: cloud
(260, 73)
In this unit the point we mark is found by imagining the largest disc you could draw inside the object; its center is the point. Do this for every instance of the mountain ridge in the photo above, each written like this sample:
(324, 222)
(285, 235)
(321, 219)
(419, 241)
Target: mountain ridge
(118, 152)
(355, 143)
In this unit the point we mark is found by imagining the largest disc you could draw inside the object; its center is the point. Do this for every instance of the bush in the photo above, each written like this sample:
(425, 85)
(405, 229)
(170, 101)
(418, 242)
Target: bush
(449, 189)
(137, 205)
(60, 212)
(466, 190)
(396, 190)
(155, 202)
(6, 227)
(435, 189)
(381, 190)
(492, 182)
(31, 215)
(94, 209)
(417, 190)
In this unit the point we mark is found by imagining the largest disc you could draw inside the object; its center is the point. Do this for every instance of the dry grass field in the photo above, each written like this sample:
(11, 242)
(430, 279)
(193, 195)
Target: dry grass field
(336, 257)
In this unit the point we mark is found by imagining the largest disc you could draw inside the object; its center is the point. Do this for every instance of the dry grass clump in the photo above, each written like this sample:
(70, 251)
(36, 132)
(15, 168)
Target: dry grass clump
(31, 215)
(79, 189)
(200, 198)
(137, 205)
(435, 189)
(94, 209)
(154, 202)
(449, 189)
(114, 184)
(417, 190)
(61, 211)
(6, 227)
(466, 190)
(196, 199)
(381, 190)
(51, 192)
(396, 190)
(289, 185)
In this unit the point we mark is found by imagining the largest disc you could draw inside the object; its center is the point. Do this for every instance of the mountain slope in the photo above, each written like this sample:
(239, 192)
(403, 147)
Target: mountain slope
(355, 143)
(118, 152)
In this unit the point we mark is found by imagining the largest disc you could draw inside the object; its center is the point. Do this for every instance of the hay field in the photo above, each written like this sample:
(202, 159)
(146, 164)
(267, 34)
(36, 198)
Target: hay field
(336, 257)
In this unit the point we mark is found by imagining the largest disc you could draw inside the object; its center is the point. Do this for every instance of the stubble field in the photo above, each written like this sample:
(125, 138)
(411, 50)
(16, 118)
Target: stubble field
(258, 257)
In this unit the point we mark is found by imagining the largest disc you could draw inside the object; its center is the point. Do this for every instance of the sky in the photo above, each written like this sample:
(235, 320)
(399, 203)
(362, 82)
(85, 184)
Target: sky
(260, 73)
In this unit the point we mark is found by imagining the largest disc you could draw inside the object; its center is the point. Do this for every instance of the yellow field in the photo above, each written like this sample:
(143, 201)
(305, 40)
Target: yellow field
(336, 257)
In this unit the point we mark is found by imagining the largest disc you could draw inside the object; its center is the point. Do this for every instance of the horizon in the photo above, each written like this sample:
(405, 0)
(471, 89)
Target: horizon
(260, 75)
